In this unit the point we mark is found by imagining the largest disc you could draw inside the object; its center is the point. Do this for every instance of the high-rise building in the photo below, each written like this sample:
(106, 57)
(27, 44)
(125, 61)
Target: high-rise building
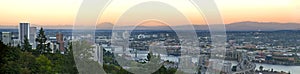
(32, 37)
(98, 53)
(7, 37)
(23, 31)
(60, 41)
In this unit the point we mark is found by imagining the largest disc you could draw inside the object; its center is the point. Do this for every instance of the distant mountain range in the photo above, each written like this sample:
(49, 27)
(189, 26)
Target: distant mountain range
(238, 26)
(264, 26)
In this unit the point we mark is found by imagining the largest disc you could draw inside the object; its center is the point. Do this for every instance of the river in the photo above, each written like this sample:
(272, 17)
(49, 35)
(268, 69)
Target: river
(292, 69)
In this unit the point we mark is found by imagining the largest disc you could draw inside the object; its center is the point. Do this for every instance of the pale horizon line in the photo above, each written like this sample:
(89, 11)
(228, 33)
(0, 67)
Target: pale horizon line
(66, 25)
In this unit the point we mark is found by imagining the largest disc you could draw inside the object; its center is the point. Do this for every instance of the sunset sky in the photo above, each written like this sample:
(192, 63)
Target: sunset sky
(63, 12)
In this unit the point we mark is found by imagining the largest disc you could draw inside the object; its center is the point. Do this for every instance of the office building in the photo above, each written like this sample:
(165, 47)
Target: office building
(6, 38)
(98, 53)
(32, 37)
(23, 31)
(16, 42)
(60, 41)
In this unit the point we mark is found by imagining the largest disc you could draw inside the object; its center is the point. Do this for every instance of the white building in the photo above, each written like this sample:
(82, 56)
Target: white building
(7, 38)
(52, 46)
(98, 53)
(32, 37)
(16, 42)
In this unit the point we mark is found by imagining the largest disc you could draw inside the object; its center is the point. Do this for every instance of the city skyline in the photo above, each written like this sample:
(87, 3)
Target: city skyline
(150, 36)
(16, 11)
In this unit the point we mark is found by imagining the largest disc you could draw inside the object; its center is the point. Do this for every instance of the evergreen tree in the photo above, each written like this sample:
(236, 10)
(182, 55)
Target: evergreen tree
(82, 55)
(161, 70)
(70, 63)
(41, 40)
(149, 56)
(44, 64)
(14, 61)
(26, 46)
(9, 56)
(27, 63)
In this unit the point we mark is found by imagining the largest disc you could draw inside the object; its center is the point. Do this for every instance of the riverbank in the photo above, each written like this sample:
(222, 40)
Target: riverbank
(283, 64)
(291, 69)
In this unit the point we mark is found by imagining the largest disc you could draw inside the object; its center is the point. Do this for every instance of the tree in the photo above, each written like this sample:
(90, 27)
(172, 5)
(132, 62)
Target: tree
(82, 51)
(26, 46)
(58, 63)
(45, 65)
(2, 52)
(27, 63)
(149, 56)
(261, 68)
(14, 61)
(161, 70)
(41, 40)
(9, 56)
(272, 70)
(70, 65)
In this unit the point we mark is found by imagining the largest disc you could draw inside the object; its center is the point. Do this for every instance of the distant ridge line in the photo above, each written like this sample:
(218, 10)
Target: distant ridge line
(236, 26)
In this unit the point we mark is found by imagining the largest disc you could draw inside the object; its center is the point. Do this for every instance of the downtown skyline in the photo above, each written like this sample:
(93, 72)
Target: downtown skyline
(150, 36)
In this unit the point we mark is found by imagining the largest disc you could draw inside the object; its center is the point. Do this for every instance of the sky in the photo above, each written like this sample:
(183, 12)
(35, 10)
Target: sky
(63, 12)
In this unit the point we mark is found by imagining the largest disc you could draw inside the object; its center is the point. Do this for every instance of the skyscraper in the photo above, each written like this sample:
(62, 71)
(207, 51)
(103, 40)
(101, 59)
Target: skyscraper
(7, 37)
(23, 31)
(32, 37)
(60, 41)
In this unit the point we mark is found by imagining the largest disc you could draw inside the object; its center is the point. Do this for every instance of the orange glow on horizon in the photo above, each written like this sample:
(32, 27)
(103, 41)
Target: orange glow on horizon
(63, 12)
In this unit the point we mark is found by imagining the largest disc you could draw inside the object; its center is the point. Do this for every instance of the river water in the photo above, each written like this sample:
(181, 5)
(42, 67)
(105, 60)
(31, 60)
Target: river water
(292, 69)
(278, 68)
